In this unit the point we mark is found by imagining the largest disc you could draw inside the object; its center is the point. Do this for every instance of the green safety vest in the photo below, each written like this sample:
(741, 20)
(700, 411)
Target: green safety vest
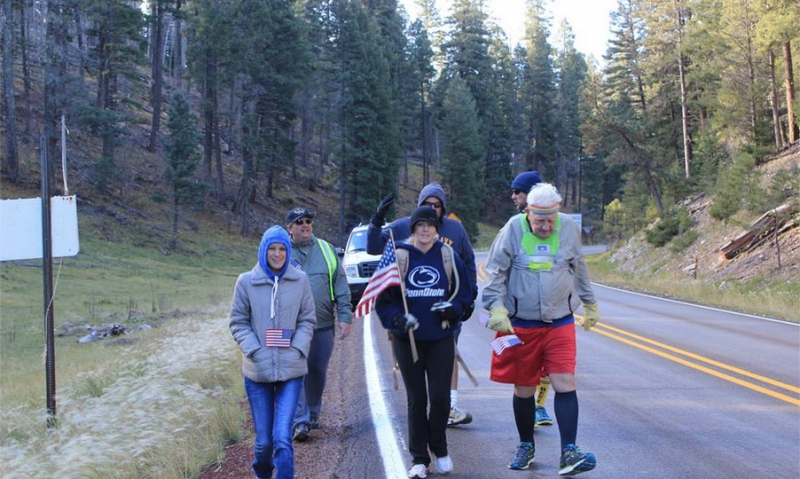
(541, 252)
(330, 259)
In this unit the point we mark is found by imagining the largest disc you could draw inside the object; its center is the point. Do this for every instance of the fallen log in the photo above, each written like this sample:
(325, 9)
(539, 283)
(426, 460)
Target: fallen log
(761, 229)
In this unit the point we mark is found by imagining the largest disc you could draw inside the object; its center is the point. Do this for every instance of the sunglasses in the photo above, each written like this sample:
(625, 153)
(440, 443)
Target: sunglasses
(303, 221)
(516, 192)
(432, 204)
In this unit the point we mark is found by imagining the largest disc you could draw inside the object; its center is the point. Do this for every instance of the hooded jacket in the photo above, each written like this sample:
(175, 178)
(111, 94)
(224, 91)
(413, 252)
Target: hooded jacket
(263, 299)
(451, 232)
(531, 295)
(425, 284)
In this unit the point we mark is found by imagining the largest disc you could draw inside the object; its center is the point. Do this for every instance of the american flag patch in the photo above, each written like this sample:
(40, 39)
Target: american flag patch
(500, 344)
(279, 338)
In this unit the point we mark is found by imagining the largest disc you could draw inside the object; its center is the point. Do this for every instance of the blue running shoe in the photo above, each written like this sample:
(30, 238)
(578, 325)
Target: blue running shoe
(574, 461)
(524, 456)
(542, 418)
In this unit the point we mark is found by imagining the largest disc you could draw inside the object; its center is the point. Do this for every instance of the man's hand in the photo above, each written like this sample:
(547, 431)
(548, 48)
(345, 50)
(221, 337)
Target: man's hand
(498, 320)
(590, 316)
(380, 214)
(344, 330)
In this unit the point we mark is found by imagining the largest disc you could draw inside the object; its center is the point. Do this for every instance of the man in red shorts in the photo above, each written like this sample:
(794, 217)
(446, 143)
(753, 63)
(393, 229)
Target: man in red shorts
(532, 294)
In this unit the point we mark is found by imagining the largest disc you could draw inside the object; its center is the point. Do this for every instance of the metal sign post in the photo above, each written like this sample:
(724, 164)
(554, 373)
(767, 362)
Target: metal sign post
(47, 273)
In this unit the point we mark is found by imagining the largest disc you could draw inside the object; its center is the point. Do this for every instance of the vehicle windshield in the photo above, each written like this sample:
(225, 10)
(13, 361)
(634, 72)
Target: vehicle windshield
(357, 242)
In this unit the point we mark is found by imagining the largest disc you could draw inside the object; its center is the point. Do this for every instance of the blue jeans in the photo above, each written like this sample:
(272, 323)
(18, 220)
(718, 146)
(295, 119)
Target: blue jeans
(272, 406)
(319, 354)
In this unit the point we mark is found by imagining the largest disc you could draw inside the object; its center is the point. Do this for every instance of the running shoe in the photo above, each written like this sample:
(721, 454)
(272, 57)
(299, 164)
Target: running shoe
(524, 456)
(457, 416)
(444, 464)
(574, 461)
(542, 418)
(418, 471)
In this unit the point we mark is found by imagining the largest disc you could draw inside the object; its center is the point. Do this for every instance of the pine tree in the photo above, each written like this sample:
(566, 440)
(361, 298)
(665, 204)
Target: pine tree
(462, 161)
(182, 159)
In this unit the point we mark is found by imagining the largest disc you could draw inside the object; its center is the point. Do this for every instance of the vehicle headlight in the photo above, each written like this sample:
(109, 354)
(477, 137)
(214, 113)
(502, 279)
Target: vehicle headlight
(351, 270)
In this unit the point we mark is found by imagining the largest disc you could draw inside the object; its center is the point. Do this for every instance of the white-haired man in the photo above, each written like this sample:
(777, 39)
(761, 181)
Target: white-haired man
(531, 293)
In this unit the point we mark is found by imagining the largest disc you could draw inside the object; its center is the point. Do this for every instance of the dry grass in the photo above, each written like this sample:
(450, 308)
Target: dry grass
(161, 409)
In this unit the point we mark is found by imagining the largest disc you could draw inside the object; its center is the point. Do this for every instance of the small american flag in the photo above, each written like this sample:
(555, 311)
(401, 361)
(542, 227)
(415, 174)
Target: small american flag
(500, 344)
(387, 274)
(279, 338)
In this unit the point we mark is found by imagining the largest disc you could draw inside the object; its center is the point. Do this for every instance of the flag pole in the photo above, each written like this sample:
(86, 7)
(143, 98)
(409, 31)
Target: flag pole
(414, 354)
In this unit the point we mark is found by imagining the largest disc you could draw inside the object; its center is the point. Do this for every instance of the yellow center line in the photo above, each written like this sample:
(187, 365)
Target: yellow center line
(712, 372)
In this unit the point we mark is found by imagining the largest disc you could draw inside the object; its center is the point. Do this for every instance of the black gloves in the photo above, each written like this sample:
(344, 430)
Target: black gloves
(404, 323)
(468, 311)
(380, 214)
(447, 313)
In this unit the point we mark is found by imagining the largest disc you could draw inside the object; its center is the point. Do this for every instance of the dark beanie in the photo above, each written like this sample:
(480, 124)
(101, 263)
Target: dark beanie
(424, 213)
(525, 181)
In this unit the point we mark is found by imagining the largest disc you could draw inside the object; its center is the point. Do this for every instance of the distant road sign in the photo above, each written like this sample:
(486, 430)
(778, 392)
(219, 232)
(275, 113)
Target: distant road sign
(577, 218)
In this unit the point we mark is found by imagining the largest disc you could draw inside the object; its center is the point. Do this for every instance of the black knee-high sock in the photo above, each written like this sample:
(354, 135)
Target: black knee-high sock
(566, 408)
(525, 417)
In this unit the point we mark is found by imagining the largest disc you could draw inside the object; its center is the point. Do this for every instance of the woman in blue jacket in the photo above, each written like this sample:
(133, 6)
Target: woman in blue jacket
(435, 304)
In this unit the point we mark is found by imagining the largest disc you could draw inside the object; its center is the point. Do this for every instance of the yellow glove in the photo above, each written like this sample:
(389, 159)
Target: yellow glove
(590, 316)
(498, 320)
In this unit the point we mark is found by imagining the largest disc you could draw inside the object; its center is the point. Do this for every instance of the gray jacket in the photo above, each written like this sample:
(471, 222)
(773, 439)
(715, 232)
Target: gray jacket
(531, 295)
(250, 317)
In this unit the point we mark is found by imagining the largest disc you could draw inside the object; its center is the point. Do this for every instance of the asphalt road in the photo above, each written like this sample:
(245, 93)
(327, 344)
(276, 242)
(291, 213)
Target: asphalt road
(667, 390)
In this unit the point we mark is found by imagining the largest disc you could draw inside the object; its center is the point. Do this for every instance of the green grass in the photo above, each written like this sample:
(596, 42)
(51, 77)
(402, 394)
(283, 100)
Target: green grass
(759, 296)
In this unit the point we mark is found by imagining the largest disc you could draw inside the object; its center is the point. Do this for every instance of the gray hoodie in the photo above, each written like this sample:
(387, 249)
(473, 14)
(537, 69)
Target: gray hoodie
(265, 300)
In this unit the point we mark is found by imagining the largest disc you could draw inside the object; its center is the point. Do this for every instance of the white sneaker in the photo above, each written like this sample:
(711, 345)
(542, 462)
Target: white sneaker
(418, 471)
(444, 464)
(457, 416)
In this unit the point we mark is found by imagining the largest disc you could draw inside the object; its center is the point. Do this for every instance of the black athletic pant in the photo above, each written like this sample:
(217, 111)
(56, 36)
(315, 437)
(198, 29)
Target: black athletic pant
(428, 378)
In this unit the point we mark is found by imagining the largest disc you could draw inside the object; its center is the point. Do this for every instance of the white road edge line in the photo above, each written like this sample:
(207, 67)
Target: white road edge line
(765, 318)
(387, 441)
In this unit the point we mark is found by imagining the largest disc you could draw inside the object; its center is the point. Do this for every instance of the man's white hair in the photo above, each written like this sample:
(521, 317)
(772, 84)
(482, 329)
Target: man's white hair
(544, 196)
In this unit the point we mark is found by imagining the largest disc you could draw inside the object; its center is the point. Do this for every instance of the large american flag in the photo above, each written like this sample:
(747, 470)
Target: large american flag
(387, 274)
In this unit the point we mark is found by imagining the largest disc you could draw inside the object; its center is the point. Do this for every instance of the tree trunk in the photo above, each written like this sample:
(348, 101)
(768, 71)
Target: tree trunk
(26, 71)
(158, 68)
(10, 166)
(208, 118)
(687, 139)
(789, 82)
(773, 103)
(179, 60)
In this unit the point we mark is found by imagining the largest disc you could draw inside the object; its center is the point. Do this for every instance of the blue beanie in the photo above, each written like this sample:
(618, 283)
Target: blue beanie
(525, 181)
(275, 234)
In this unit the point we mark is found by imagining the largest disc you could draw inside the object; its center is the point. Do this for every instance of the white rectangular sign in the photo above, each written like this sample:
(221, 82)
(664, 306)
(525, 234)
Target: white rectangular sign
(578, 218)
(21, 228)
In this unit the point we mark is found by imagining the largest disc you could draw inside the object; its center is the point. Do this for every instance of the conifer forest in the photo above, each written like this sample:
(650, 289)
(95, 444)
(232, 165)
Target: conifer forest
(690, 96)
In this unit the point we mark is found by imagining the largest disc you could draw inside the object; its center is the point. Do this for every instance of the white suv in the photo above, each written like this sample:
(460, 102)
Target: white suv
(358, 265)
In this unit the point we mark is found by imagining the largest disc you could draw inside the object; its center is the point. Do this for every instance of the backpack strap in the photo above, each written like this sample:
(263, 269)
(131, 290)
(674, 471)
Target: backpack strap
(402, 262)
(330, 261)
(452, 273)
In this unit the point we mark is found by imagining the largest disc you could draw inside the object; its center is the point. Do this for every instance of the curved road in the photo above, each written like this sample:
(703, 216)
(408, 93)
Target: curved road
(667, 390)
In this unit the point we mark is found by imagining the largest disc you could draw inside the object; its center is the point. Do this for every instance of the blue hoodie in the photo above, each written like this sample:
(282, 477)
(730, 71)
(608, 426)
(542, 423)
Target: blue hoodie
(451, 232)
(275, 234)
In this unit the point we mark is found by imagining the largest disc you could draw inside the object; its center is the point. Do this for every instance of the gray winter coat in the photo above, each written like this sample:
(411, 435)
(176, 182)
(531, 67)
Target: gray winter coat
(250, 318)
(531, 295)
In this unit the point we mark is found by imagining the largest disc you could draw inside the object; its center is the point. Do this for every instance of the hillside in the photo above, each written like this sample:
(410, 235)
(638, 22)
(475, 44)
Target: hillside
(775, 260)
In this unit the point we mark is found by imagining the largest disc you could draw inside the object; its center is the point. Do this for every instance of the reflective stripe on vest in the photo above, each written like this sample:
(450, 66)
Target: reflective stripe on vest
(330, 260)
(541, 252)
